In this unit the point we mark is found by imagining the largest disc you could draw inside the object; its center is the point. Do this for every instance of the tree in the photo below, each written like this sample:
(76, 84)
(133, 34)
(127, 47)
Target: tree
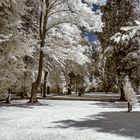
(11, 44)
(20, 41)
(117, 56)
(52, 14)
(44, 84)
(130, 94)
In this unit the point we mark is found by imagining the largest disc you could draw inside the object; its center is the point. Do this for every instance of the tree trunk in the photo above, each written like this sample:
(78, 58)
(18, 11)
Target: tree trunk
(36, 84)
(120, 85)
(43, 32)
(44, 85)
(58, 90)
(41, 89)
(129, 107)
(48, 89)
(122, 97)
(33, 98)
(8, 99)
(69, 90)
(23, 93)
(76, 87)
(44, 90)
(80, 92)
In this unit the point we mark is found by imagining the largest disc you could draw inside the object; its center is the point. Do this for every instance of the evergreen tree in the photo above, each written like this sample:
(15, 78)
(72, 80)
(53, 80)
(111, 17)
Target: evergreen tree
(118, 59)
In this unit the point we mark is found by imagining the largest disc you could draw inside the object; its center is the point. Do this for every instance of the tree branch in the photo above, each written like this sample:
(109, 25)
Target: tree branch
(41, 19)
(61, 22)
(59, 11)
(56, 4)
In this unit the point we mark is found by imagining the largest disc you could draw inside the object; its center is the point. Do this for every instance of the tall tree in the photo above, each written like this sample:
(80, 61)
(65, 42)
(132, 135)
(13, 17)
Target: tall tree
(11, 44)
(43, 30)
(117, 59)
(52, 14)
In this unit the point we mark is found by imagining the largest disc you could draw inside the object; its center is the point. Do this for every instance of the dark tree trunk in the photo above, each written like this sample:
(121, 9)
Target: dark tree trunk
(23, 93)
(69, 86)
(58, 89)
(81, 91)
(69, 90)
(41, 89)
(43, 32)
(121, 86)
(8, 99)
(129, 107)
(36, 84)
(122, 94)
(76, 86)
(44, 90)
(48, 89)
(33, 98)
(44, 84)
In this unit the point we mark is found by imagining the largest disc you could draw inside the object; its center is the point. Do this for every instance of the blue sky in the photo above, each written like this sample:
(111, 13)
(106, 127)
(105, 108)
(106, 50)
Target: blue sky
(92, 36)
(95, 7)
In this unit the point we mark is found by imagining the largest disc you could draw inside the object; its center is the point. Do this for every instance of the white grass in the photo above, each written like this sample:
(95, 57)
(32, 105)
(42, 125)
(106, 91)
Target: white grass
(69, 120)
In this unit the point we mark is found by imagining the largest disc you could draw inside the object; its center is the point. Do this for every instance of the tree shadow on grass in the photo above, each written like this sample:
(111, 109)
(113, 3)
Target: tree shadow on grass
(120, 123)
(111, 104)
(22, 105)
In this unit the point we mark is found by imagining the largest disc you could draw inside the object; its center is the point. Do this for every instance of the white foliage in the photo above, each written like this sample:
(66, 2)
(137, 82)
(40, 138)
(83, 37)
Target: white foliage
(129, 92)
(101, 2)
(63, 42)
(90, 84)
(130, 32)
(14, 45)
(4, 38)
(137, 22)
(118, 37)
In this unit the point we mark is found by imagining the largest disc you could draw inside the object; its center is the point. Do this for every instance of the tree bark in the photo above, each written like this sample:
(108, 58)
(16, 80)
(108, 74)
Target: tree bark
(129, 107)
(43, 31)
(58, 90)
(48, 89)
(36, 84)
(8, 99)
(122, 97)
(33, 98)
(80, 92)
(44, 84)
(23, 93)
(76, 87)
(120, 85)
(69, 90)
(41, 89)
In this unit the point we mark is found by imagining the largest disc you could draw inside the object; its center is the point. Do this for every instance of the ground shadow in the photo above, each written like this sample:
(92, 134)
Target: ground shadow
(112, 104)
(22, 105)
(120, 123)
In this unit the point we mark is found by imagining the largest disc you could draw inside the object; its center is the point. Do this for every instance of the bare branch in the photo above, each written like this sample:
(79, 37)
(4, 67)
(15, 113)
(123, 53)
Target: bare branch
(56, 4)
(61, 22)
(59, 11)
(45, 22)
(53, 3)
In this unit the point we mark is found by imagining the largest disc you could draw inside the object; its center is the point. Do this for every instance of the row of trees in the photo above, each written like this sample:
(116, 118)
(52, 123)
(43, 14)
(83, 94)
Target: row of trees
(50, 29)
(47, 39)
